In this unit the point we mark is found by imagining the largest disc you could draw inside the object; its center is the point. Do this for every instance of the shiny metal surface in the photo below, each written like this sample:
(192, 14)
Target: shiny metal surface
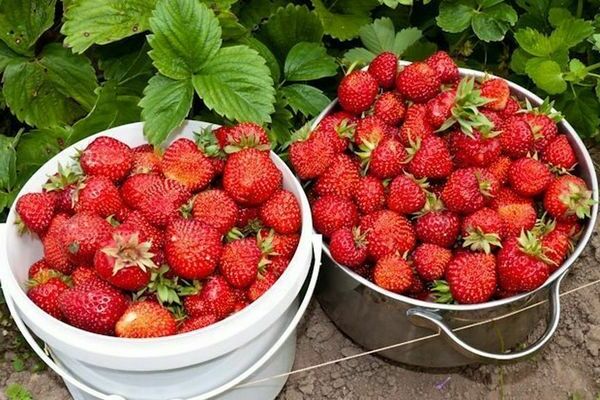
(374, 317)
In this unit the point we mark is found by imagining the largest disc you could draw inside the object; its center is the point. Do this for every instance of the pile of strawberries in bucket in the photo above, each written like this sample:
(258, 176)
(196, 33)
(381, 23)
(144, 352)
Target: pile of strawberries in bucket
(143, 244)
(441, 188)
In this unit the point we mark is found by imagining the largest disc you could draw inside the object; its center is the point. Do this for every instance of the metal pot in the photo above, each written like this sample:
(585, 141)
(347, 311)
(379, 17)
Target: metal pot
(375, 318)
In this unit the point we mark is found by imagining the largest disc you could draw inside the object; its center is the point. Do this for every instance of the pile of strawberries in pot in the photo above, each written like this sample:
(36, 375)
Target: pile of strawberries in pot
(441, 188)
(143, 244)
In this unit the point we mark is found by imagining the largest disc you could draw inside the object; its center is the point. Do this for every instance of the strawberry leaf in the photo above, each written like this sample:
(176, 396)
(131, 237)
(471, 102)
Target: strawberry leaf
(341, 26)
(308, 61)
(378, 36)
(306, 99)
(23, 22)
(91, 22)
(36, 147)
(581, 109)
(7, 56)
(455, 17)
(546, 74)
(491, 24)
(265, 53)
(8, 160)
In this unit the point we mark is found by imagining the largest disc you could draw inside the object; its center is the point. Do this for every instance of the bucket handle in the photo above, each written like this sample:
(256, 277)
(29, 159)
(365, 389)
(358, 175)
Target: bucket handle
(435, 321)
(317, 241)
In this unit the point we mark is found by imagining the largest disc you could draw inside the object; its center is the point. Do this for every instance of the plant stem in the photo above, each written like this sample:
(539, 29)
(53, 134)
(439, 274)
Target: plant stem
(592, 67)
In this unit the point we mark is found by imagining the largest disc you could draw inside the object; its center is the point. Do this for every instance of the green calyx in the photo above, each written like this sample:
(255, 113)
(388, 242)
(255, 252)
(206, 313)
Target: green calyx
(168, 291)
(360, 238)
(484, 185)
(250, 141)
(531, 245)
(441, 292)
(345, 129)
(265, 243)
(543, 226)
(578, 199)
(208, 143)
(413, 147)
(128, 251)
(477, 240)
(546, 108)
(433, 203)
(364, 154)
(66, 176)
(186, 209)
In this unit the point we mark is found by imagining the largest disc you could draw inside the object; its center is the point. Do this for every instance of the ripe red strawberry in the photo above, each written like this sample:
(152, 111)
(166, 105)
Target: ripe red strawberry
(520, 265)
(55, 254)
(240, 262)
(215, 298)
(384, 68)
(444, 66)
(418, 82)
(570, 228)
(93, 308)
(483, 229)
(416, 125)
(543, 127)
(469, 189)
(98, 195)
(473, 151)
(393, 273)
(516, 138)
(506, 196)
(336, 129)
(331, 213)
(45, 295)
(192, 248)
(146, 162)
(64, 184)
(390, 108)
(146, 319)
(472, 277)
(221, 134)
(250, 177)
(283, 246)
(106, 157)
(278, 265)
(282, 212)
(438, 227)
(529, 177)
(430, 261)
(512, 106)
(500, 167)
(556, 245)
(385, 160)
(186, 164)
(559, 154)
(430, 158)
(135, 221)
(82, 235)
(387, 232)
(35, 211)
(406, 196)
(81, 275)
(247, 134)
(133, 188)
(357, 91)
(311, 157)
(517, 217)
(369, 194)
(246, 216)
(497, 91)
(125, 261)
(348, 246)
(370, 130)
(161, 201)
(439, 109)
(340, 178)
(193, 324)
(262, 283)
(568, 197)
(38, 266)
(215, 208)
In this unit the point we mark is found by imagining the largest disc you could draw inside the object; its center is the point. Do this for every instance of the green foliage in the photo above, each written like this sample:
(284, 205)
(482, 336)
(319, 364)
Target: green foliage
(17, 392)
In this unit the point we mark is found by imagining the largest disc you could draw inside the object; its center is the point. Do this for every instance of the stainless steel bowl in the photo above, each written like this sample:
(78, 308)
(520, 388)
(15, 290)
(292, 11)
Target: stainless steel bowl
(375, 318)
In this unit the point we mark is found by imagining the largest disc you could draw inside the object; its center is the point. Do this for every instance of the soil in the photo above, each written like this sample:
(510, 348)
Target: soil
(567, 369)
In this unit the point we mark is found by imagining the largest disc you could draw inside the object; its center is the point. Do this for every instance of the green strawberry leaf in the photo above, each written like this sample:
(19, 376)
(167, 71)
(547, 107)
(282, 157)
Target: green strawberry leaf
(236, 84)
(340, 26)
(165, 105)
(546, 74)
(405, 39)
(253, 12)
(306, 99)
(129, 66)
(89, 22)
(491, 24)
(8, 162)
(519, 60)
(378, 36)
(232, 28)
(455, 17)
(420, 50)
(557, 14)
(569, 33)
(308, 61)
(358, 55)
(7, 56)
(22, 22)
(581, 108)
(534, 42)
(185, 36)
(221, 5)
(265, 53)
(281, 122)
(38, 146)
(577, 71)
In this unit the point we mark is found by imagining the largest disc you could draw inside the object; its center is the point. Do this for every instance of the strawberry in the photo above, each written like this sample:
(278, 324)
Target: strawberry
(520, 264)
(55, 254)
(469, 189)
(543, 126)
(393, 273)
(221, 134)
(106, 157)
(98, 195)
(559, 154)
(311, 157)
(429, 158)
(215, 208)
(390, 108)
(240, 262)
(430, 261)
(282, 212)
(146, 319)
(133, 188)
(516, 138)
(335, 129)
(483, 229)
(506, 196)
(331, 213)
(250, 177)
(497, 91)
(195, 323)
(145, 162)
(416, 125)
(64, 184)
(192, 248)
(161, 201)
(556, 245)
(387, 232)
(92, 307)
(357, 91)
(568, 197)
(474, 150)
(81, 275)
(370, 130)
(369, 194)
(472, 277)
(35, 211)
(340, 178)
(125, 260)
(215, 298)
(496, 118)
(444, 66)
(247, 134)
(529, 177)
(184, 163)
(45, 295)
(406, 196)
(570, 228)
(385, 160)
(348, 247)
(499, 168)
(82, 235)
(418, 82)
(261, 285)
(438, 227)
(439, 109)
(512, 106)
(278, 265)
(247, 216)
(135, 221)
(38, 266)
(516, 217)
(384, 68)
(283, 246)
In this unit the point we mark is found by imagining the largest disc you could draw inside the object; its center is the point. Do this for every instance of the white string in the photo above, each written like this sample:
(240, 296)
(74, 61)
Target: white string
(419, 339)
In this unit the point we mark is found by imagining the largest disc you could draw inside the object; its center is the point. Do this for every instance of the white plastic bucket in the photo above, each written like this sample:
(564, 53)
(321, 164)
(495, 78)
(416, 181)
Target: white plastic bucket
(257, 342)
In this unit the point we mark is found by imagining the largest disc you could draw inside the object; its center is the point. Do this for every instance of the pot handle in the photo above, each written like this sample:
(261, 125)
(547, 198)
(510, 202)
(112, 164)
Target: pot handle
(44, 354)
(435, 321)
